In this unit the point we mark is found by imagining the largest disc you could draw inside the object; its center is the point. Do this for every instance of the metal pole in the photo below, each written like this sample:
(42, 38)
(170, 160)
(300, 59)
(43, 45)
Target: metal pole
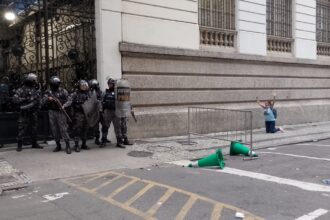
(45, 7)
(188, 125)
(251, 135)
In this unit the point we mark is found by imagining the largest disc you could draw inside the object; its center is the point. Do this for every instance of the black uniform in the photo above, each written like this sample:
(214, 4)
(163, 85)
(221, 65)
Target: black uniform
(109, 115)
(28, 98)
(55, 99)
(80, 125)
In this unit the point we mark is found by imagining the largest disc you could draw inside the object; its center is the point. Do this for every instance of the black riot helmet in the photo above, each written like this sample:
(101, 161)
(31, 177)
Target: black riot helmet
(93, 84)
(111, 81)
(31, 79)
(83, 85)
(54, 82)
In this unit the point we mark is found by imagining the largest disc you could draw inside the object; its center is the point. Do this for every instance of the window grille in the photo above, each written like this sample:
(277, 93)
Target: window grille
(323, 27)
(279, 25)
(217, 22)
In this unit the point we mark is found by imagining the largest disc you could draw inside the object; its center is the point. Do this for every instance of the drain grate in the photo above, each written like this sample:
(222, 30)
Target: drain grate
(140, 154)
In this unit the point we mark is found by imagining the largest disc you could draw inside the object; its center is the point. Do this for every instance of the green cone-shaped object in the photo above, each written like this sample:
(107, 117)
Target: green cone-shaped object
(237, 148)
(210, 161)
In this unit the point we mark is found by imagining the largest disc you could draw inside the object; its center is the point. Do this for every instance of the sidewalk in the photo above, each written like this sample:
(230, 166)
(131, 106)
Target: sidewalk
(44, 164)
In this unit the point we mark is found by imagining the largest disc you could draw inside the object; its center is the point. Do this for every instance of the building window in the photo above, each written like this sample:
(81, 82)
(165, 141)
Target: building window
(323, 27)
(217, 22)
(279, 25)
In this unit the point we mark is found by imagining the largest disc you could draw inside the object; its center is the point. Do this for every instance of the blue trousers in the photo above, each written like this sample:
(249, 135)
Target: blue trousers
(270, 127)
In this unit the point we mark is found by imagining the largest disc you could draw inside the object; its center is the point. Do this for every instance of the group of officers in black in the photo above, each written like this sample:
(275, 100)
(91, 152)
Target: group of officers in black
(57, 101)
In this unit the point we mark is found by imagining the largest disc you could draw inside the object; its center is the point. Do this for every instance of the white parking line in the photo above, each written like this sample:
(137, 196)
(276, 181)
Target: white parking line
(313, 215)
(294, 155)
(260, 176)
(311, 144)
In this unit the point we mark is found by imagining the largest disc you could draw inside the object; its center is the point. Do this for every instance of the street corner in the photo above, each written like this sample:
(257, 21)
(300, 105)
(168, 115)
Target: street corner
(11, 178)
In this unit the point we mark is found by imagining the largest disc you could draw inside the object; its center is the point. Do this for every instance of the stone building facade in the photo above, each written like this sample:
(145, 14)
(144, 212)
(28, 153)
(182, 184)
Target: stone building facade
(216, 53)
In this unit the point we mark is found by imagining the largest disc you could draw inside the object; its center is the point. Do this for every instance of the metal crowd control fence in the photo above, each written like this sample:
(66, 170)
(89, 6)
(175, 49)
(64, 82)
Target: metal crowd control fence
(226, 125)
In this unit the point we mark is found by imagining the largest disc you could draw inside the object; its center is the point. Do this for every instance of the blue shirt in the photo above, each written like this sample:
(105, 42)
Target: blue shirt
(269, 115)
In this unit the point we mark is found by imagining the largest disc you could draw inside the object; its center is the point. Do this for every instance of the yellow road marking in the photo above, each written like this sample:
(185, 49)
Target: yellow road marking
(106, 183)
(139, 194)
(216, 213)
(92, 176)
(158, 204)
(110, 200)
(122, 188)
(185, 209)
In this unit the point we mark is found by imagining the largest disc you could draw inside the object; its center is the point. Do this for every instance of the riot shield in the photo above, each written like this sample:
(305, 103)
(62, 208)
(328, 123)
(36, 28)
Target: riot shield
(123, 102)
(92, 110)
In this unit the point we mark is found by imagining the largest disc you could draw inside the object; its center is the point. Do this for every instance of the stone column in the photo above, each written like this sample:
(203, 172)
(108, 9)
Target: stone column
(304, 29)
(251, 27)
(108, 36)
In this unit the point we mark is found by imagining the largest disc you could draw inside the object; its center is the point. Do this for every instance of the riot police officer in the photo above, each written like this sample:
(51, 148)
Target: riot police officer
(56, 99)
(109, 115)
(28, 99)
(80, 125)
(95, 87)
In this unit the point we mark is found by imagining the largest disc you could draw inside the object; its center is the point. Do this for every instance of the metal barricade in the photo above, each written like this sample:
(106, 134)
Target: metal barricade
(226, 125)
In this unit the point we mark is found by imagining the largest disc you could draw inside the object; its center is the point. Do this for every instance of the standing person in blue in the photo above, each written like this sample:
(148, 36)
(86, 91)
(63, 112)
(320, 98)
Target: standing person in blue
(55, 99)
(28, 99)
(80, 125)
(109, 115)
(270, 115)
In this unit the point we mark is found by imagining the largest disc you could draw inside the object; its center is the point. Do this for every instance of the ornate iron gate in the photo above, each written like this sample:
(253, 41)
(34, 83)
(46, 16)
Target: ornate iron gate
(51, 37)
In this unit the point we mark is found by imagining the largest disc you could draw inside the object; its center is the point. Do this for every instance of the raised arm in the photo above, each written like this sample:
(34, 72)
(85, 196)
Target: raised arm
(259, 103)
(273, 101)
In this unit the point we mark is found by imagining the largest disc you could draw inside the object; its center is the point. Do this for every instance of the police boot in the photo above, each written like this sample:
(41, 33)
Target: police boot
(84, 146)
(103, 143)
(120, 143)
(67, 147)
(127, 142)
(76, 146)
(97, 141)
(19, 146)
(36, 145)
(58, 147)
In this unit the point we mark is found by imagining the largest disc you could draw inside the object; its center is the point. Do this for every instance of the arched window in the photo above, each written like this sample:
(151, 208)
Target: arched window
(217, 22)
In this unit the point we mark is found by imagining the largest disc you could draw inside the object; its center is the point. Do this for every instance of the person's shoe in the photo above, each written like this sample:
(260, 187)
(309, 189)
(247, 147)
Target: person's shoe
(103, 143)
(36, 145)
(84, 146)
(19, 146)
(76, 146)
(120, 145)
(97, 141)
(108, 141)
(67, 147)
(281, 129)
(58, 147)
(127, 142)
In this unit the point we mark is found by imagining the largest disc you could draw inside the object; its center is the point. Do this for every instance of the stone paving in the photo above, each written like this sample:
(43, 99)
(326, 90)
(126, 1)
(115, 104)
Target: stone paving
(11, 178)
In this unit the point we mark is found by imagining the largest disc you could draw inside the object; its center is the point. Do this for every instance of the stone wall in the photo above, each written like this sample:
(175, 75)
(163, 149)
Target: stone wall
(166, 81)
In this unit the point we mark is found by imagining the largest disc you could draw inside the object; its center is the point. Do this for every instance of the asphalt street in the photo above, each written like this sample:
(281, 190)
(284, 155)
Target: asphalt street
(286, 182)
